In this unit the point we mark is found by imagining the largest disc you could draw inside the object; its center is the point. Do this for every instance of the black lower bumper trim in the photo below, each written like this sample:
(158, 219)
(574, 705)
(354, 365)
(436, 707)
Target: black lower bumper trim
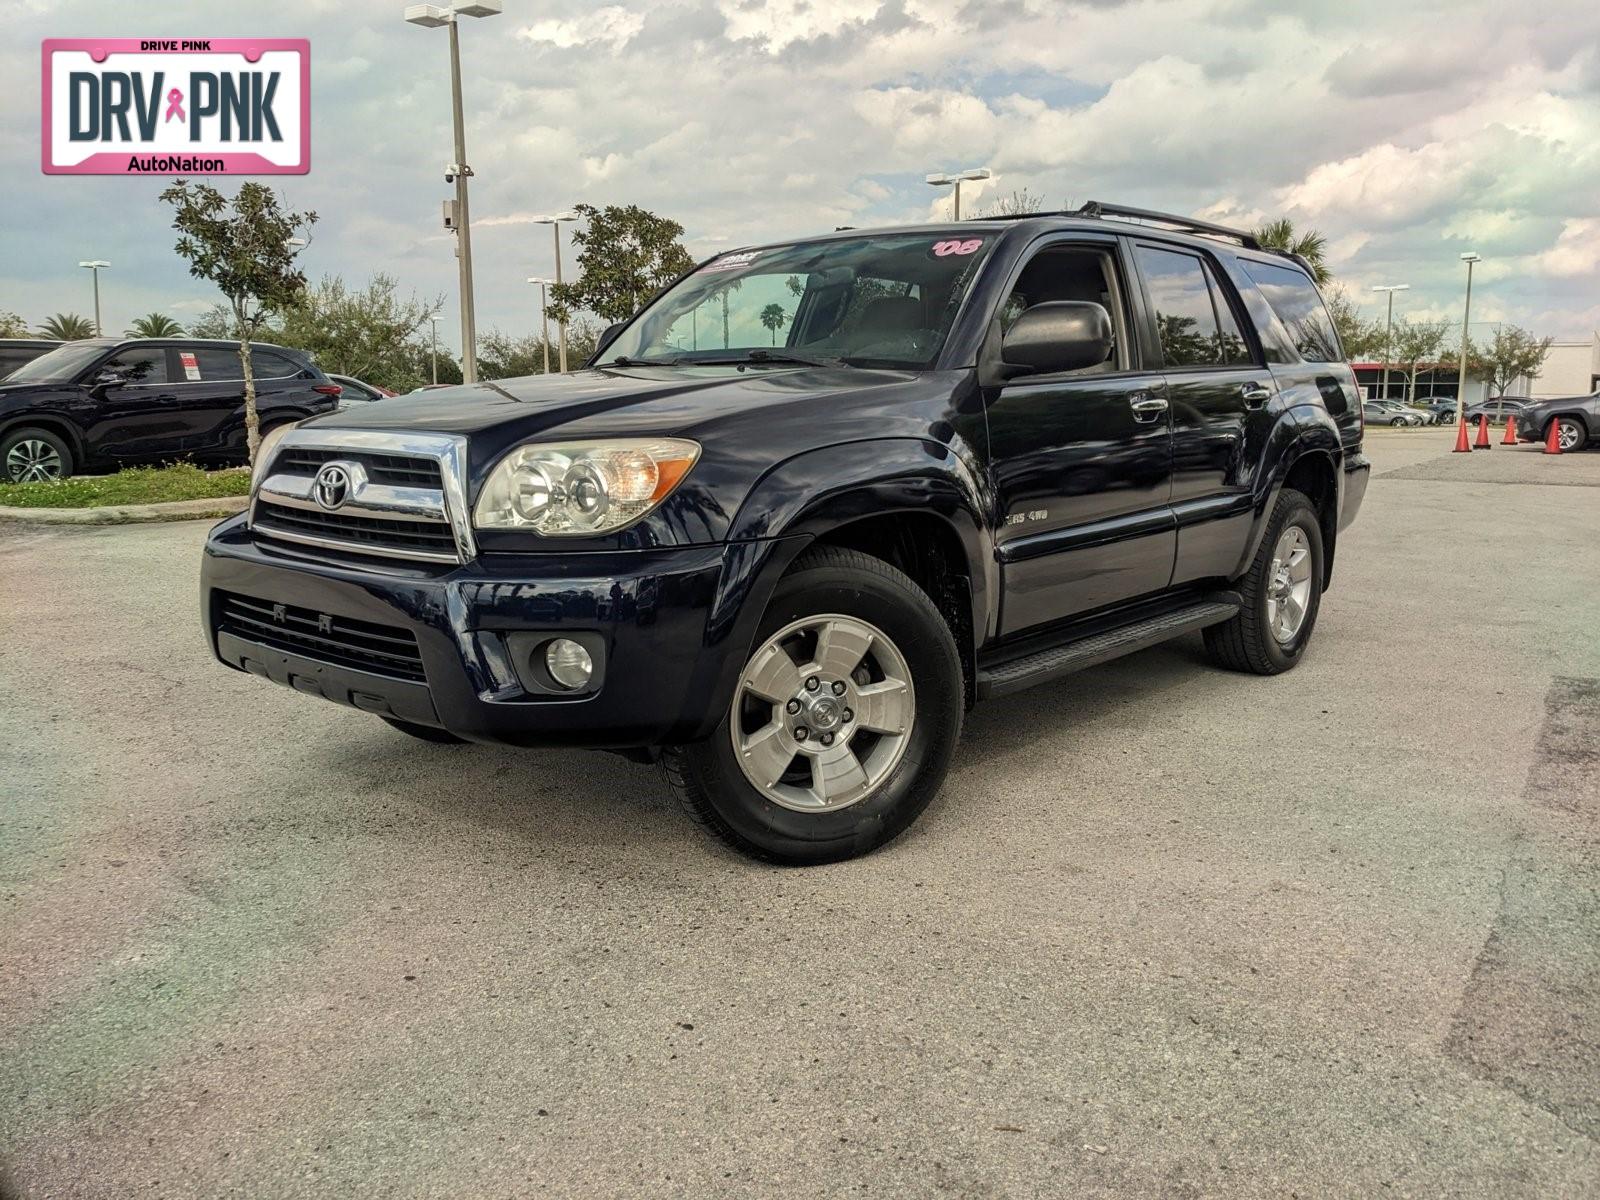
(370, 693)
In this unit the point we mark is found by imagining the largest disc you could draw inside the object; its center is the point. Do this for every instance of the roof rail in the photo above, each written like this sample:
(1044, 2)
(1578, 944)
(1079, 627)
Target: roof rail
(1095, 208)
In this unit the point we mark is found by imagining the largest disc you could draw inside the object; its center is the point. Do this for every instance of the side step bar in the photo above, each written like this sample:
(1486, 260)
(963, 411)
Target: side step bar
(1055, 661)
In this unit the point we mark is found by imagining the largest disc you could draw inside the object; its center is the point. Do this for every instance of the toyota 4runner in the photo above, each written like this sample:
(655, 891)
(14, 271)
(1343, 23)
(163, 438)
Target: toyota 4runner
(813, 502)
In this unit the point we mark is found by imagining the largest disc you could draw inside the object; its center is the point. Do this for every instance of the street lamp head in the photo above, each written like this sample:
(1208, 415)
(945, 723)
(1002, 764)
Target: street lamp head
(1470, 257)
(429, 16)
(976, 173)
(553, 218)
(940, 180)
(479, 8)
(1392, 287)
(95, 262)
(540, 280)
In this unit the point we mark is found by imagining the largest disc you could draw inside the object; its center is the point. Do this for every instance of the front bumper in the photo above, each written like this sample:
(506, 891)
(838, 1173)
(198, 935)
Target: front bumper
(674, 626)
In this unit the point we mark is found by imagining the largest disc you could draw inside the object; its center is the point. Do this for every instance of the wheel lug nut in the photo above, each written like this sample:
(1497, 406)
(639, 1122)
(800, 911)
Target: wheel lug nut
(801, 734)
(827, 739)
(813, 684)
(792, 707)
(847, 716)
(838, 687)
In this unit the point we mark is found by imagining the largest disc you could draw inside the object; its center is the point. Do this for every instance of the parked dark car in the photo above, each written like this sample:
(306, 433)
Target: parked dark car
(358, 391)
(1577, 421)
(108, 402)
(16, 351)
(984, 455)
(1496, 410)
(1443, 410)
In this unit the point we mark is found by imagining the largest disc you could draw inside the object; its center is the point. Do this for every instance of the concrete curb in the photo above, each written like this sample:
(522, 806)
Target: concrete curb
(128, 514)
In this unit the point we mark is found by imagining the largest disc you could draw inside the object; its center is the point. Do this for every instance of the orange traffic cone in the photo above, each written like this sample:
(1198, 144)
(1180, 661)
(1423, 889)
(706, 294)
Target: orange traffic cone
(1462, 445)
(1552, 442)
(1482, 441)
(1510, 438)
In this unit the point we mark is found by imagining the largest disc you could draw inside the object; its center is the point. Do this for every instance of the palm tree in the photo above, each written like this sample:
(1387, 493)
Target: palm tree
(773, 317)
(155, 325)
(67, 327)
(1310, 245)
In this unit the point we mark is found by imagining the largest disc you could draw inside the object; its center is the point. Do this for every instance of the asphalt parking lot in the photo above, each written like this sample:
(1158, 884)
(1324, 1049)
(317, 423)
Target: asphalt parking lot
(1167, 932)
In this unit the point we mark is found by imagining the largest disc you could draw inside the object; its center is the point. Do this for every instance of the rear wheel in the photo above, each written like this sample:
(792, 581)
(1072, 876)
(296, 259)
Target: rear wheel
(34, 456)
(1282, 591)
(842, 723)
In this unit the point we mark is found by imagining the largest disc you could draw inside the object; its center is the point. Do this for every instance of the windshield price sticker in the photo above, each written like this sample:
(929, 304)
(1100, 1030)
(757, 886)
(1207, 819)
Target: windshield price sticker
(732, 262)
(957, 246)
(212, 106)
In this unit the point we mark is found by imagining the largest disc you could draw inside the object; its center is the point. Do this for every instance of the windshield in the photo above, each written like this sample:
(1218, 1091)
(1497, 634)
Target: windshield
(62, 363)
(884, 300)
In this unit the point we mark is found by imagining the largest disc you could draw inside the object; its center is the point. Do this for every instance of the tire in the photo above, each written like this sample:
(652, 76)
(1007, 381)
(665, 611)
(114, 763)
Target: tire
(34, 456)
(1571, 433)
(1248, 642)
(424, 733)
(805, 815)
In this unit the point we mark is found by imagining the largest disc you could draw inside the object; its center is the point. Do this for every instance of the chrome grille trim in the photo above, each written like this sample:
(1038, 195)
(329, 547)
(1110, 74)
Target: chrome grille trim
(380, 501)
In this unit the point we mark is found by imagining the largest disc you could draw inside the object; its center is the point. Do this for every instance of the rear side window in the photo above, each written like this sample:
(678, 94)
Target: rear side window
(1194, 319)
(1294, 298)
(206, 364)
(268, 364)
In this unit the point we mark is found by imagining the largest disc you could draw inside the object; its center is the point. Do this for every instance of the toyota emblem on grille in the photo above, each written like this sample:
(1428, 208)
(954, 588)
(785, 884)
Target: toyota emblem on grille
(335, 483)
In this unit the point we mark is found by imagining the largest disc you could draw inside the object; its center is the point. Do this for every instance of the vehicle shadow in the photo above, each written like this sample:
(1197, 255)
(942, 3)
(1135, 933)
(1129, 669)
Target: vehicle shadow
(555, 800)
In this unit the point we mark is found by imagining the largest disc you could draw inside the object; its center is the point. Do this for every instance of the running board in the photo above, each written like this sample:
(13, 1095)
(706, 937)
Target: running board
(1056, 661)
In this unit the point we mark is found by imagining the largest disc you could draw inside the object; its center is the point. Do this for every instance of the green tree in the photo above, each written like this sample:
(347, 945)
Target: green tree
(242, 245)
(155, 325)
(625, 256)
(1020, 203)
(1309, 245)
(217, 322)
(68, 327)
(774, 318)
(1362, 339)
(370, 333)
(1415, 343)
(12, 326)
(1510, 355)
(502, 356)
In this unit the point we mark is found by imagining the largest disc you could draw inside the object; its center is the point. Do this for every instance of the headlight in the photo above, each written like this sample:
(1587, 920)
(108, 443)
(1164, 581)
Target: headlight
(579, 489)
(269, 443)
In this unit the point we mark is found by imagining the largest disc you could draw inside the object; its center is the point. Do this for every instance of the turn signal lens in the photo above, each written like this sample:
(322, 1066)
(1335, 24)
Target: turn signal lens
(579, 489)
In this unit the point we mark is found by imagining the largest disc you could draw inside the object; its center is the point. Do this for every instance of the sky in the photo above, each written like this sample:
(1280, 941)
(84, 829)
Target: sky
(1406, 132)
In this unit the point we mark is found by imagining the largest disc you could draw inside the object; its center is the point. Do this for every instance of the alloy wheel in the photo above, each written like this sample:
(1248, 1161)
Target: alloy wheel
(1289, 584)
(822, 713)
(33, 461)
(1567, 435)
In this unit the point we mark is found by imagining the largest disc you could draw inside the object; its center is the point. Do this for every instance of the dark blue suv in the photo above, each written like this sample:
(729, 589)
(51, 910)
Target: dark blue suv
(102, 403)
(814, 501)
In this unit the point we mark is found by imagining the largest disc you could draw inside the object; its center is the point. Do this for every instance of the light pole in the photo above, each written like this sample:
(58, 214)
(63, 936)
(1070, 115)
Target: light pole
(1466, 319)
(431, 16)
(544, 314)
(554, 221)
(943, 180)
(94, 265)
(434, 321)
(1388, 326)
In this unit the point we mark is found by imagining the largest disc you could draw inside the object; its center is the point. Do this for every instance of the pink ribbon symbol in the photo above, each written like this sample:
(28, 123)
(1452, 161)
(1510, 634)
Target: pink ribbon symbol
(175, 105)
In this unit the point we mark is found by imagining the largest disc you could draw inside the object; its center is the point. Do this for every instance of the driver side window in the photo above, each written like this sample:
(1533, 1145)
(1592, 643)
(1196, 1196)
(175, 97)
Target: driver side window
(137, 366)
(1072, 273)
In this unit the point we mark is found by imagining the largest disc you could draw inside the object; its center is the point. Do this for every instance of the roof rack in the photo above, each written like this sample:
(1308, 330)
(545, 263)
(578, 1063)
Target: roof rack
(1095, 208)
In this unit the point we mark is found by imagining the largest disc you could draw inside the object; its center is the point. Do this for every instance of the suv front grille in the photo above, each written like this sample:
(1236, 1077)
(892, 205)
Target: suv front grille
(338, 641)
(429, 537)
(399, 470)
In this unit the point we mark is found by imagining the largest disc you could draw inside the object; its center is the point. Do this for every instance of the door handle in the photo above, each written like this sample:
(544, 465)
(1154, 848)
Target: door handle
(1146, 408)
(1255, 394)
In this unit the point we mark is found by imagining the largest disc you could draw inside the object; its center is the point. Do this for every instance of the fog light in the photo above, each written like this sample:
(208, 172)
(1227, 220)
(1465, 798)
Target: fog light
(569, 663)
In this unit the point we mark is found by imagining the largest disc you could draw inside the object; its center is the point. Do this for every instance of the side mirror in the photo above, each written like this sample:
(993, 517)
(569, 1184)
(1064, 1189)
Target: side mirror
(105, 379)
(1059, 335)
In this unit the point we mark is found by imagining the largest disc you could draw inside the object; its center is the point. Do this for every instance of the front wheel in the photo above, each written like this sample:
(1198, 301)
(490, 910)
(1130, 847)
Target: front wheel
(1282, 591)
(843, 721)
(34, 456)
(1570, 433)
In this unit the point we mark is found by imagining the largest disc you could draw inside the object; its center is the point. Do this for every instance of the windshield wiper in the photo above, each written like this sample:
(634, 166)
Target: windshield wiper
(622, 360)
(777, 356)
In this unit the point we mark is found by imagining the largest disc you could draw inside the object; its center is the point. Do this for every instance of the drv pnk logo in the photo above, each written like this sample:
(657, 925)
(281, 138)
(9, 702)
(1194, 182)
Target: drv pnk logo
(208, 106)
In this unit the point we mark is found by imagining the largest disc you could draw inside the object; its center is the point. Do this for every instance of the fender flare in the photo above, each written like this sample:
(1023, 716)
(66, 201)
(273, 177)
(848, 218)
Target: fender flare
(58, 425)
(1312, 432)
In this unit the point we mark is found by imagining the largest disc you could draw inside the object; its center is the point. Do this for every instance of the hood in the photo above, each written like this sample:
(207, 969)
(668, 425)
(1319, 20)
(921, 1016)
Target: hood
(816, 405)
